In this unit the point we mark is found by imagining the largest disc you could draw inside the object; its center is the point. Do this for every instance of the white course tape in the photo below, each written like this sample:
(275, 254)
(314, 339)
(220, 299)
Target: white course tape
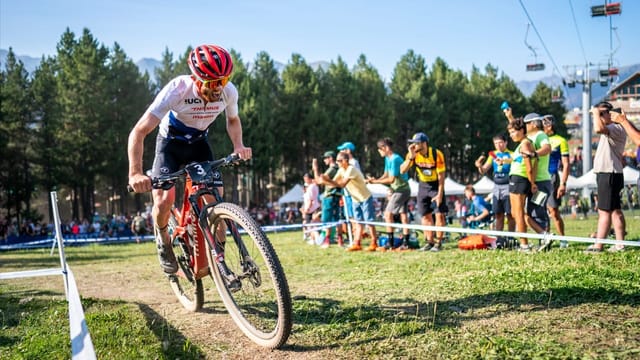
(544, 236)
(30, 273)
(81, 344)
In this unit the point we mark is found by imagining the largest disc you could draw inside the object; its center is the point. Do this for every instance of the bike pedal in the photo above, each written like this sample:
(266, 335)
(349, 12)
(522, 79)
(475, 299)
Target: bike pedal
(234, 285)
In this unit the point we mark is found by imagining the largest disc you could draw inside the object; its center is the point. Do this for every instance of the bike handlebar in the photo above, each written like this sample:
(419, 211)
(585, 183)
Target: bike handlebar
(168, 180)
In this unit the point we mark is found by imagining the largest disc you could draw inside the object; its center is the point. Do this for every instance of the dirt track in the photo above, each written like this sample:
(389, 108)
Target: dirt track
(147, 287)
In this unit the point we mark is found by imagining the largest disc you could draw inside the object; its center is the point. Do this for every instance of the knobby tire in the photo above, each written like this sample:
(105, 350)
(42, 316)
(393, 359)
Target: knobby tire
(263, 312)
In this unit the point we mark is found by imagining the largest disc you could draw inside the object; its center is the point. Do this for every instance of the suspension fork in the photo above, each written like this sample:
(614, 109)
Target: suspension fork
(203, 220)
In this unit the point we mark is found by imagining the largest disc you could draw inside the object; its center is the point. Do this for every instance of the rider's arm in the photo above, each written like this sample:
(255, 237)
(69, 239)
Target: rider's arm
(138, 181)
(234, 130)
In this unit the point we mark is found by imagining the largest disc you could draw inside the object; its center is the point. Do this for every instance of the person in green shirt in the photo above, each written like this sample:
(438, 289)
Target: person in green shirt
(559, 171)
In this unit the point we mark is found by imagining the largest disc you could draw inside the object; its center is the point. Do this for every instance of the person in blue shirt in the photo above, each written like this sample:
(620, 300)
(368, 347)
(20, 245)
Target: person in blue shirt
(479, 211)
(398, 184)
(499, 162)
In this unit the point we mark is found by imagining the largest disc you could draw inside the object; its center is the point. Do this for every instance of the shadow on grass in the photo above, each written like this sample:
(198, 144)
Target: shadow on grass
(174, 344)
(406, 317)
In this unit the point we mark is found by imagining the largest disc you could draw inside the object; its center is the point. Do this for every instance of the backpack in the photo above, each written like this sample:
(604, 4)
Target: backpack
(472, 242)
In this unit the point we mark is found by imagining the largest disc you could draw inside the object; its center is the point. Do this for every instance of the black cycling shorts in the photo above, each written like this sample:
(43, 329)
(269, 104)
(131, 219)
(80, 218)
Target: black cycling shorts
(173, 154)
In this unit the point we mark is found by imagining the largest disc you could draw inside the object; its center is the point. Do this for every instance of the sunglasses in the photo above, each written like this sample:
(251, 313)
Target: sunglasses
(212, 84)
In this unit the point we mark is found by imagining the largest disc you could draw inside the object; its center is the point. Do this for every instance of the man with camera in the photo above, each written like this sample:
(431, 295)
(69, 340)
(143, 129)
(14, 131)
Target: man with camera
(608, 166)
(430, 168)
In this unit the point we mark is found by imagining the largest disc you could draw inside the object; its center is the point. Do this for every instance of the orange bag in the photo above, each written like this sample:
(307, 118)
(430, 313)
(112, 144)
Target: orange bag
(473, 242)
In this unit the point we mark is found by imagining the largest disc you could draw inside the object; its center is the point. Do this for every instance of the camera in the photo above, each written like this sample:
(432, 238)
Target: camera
(616, 110)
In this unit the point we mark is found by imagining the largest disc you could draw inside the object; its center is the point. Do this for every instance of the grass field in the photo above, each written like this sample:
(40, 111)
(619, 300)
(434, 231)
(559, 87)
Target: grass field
(455, 304)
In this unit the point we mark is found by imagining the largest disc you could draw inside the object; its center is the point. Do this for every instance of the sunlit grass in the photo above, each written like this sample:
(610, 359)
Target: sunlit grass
(449, 305)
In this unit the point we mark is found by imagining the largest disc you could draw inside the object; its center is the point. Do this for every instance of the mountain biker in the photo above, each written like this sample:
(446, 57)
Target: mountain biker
(184, 109)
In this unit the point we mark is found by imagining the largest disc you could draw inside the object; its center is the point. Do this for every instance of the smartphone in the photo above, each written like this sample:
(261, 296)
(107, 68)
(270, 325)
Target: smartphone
(616, 110)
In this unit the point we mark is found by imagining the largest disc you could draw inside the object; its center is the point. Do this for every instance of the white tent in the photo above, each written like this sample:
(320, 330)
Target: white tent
(572, 182)
(452, 188)
(378, 190)
(484, 186)
(414, 187)
(588, 180)
(292, 196)
(630, 175)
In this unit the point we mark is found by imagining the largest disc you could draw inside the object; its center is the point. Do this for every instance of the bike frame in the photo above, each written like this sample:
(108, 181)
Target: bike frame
(190, 215)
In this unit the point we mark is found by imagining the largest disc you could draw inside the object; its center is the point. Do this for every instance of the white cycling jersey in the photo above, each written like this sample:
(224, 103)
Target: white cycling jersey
(180, 108)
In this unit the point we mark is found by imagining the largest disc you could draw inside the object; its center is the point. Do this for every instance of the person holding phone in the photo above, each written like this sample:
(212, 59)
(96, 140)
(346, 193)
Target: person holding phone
(608, 166)
(430, 169)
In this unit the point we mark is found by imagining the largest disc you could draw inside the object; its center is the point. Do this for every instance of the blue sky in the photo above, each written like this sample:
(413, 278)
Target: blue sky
(462, 32)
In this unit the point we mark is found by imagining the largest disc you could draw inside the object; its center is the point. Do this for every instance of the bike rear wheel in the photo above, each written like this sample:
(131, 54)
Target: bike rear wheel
(187, 289)
(249, 277)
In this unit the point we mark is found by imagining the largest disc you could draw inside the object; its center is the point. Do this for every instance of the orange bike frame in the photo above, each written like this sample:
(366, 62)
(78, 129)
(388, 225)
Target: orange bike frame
(185, 217)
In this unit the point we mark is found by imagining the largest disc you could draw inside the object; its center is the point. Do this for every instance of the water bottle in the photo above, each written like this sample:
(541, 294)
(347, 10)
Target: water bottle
(504, 106)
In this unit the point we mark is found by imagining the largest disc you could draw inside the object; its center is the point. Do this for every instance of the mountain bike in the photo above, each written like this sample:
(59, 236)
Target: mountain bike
(220, 239)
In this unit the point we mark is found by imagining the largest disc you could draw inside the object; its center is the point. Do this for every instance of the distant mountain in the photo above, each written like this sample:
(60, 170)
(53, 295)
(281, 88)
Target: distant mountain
(30, 63)
(572, 99)
(149, 65)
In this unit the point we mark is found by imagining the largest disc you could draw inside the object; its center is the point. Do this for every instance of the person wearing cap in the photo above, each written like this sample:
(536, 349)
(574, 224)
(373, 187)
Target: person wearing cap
(537, 215)
(499, 161)
(430, 169)
(351, 179)
(348, 148)
(559, 156)
(398, 184)
(331, 197)
(608, 166)
(310, 202)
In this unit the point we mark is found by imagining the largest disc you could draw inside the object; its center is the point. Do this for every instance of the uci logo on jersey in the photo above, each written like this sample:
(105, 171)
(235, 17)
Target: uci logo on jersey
(193, 101)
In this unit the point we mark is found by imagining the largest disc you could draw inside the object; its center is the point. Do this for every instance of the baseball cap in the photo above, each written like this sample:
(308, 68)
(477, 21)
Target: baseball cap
(328, 154)
(549, 118)
(347, 145)
(531, 117)
(418, 137)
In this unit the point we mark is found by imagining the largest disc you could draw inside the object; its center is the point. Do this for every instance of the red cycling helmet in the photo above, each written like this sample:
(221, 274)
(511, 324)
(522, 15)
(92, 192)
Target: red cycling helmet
(210, 62)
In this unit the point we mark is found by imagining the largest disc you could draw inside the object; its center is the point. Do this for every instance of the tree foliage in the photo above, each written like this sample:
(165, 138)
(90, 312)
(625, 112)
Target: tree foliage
(66, 126)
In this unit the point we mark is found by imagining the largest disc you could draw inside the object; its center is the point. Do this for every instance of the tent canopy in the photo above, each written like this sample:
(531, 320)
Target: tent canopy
(294, 195)
(453, 188)
(588, 180)
(484, 186)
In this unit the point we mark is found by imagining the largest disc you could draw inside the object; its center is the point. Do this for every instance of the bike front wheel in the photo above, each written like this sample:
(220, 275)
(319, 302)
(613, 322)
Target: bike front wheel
(249, 276)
